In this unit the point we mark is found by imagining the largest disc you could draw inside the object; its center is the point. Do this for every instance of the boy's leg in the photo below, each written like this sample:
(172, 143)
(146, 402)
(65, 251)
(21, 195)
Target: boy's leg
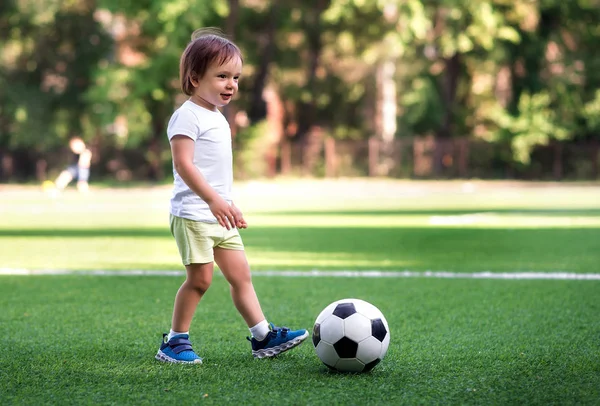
(63, 179)
(176, 346)
(197, 282)
(83, 187)
(83, 175)
(236, 270)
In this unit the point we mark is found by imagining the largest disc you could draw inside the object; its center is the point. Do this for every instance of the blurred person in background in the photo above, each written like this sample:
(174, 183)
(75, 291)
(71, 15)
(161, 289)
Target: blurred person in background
(79, 169)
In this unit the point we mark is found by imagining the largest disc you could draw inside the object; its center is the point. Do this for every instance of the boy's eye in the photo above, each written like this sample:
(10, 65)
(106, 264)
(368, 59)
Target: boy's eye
(236, 77)
(222, 76)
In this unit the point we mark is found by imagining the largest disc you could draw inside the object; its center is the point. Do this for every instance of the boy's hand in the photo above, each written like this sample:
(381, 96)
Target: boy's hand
(241, 223)
(226, 215)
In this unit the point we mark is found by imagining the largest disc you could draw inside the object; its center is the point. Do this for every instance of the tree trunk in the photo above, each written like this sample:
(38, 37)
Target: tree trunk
(312, 150)
(449, 86)
(448, 92)
(231, 22)
(595, 150)
(373, 156)
(154, 148)
(286, 157)
(154, 151)
(312, 26)
(258, 108)
(232, 18)
(41, 167)
(463, 157)
(275, 128)
(6, 166)
(330, 158)
(557, 165)
(386, 113)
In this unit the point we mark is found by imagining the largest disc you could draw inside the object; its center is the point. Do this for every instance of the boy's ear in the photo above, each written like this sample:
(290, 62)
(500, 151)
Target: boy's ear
(194, 79)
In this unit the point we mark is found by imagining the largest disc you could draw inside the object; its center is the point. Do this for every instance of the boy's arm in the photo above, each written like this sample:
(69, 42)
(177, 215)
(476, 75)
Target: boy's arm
(85, 159)
(182, 149)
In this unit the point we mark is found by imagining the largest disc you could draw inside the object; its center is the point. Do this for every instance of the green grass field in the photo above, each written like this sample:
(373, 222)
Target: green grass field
(84, 339)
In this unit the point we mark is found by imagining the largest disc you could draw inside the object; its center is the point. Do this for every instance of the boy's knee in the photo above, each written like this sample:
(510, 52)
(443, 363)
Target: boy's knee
(200, 284)
(240, 282)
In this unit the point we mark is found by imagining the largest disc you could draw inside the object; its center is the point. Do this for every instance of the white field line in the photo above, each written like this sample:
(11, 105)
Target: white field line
(558, 275)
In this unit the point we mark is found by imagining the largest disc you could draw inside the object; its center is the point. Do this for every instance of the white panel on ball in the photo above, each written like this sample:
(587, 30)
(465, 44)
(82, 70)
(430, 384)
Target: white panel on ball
(327, 353)
(326, 312)
(369, 350)
(357, 327)
(332, 329)
(367, 309)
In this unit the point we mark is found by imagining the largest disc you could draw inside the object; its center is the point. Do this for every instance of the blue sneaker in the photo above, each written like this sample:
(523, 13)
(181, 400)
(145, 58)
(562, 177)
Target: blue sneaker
(177, 350)
(279, 339)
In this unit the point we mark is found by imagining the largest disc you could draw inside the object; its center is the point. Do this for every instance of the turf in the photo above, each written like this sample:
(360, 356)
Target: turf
(80, 339)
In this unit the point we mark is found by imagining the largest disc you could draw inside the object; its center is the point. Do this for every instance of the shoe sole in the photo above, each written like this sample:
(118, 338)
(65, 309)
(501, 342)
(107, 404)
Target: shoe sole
(161, 356)
(271, 352)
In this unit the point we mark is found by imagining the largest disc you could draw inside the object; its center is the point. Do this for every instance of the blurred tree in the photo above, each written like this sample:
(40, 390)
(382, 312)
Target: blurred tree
(141, 85)
(47, 59)
(553, 74)
(519, 73)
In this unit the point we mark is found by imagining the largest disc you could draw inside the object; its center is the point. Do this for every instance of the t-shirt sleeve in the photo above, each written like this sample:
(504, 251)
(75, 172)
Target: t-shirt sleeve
(183, 122)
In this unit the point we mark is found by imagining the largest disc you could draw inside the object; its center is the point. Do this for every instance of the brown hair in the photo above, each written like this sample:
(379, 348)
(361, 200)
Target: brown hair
(208, 46)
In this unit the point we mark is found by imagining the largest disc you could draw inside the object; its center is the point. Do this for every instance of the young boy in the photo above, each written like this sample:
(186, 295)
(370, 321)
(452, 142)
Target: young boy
(203, 217)
(79, 169)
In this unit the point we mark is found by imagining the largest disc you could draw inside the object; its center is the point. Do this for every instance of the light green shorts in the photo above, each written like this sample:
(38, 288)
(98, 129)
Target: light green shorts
(196, 239)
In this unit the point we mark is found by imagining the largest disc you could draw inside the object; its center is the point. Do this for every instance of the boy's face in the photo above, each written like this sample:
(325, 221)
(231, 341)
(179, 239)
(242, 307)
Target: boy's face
(77, 146)
(218, 85)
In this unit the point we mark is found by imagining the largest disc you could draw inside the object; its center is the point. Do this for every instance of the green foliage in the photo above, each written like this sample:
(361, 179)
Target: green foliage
(592, 113)
(536, 124)
(423, 110)
(157, 33)
(47, 60)
(522, 71)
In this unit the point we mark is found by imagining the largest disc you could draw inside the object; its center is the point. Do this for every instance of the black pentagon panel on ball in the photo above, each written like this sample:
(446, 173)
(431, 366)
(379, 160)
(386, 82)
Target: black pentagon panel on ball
(316, 336)
(378, 329)
(346, 348)
(344, 310)
(371, 365)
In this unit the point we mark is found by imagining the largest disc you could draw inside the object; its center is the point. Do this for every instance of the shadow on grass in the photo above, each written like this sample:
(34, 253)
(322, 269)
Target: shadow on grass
(87, 232)
(446, 248)
(297, 237)
(390, 239)
(324, 239)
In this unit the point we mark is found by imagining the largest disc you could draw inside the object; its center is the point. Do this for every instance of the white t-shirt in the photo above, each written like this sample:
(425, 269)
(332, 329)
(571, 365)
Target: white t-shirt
(212, 156)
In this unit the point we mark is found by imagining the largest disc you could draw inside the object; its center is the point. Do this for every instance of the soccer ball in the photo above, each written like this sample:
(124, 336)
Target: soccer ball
(351, 335)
